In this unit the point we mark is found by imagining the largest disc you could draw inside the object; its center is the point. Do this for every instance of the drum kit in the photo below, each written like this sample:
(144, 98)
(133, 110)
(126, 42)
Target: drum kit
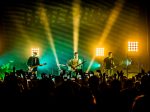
(65, 71)
(62, 69)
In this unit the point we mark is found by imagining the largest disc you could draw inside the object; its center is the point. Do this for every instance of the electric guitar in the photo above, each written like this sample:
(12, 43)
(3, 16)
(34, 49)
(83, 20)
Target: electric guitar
(113, 67)
(30, 68)
(74, 67)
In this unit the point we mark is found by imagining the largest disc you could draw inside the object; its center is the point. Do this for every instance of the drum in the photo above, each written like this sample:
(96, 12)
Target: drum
(63, 67)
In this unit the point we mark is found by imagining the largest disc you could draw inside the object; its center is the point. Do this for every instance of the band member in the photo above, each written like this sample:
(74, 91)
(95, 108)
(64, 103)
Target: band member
(33, 63)
(75, 65)
(109, 64)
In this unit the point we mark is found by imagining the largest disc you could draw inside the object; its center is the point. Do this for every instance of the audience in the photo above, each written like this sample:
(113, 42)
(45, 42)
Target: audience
(93, 93)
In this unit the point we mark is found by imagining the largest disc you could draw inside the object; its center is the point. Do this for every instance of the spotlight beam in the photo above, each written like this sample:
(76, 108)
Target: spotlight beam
(46, 24)
(90, 64)
(76, 21)
(111, 20)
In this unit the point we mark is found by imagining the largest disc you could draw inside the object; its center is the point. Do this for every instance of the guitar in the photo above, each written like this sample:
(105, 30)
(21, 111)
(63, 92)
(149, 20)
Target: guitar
(30, 68)
(74, 68)
(113, 67)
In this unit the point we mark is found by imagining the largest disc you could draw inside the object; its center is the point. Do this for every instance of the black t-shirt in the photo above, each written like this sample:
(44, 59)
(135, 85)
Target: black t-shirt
(32, 61)
(108, 63)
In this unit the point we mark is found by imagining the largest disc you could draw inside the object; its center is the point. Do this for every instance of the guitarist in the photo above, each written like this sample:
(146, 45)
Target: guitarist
(109, 64)
(33, 61)
(75, 66)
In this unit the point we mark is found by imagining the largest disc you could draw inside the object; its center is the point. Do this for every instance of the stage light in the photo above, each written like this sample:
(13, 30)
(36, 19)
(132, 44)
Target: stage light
(128, 62)
(76, 22)
(35, 50)
(89, 67)
(99, 51)
(46, 24)
(110, 22)
(132, 46)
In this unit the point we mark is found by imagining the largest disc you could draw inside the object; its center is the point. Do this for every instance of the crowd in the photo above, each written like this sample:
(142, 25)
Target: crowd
(91, 93)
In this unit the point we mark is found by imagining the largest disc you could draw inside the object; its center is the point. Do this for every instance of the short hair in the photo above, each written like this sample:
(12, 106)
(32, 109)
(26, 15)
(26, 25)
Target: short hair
(75, 52)
(35, 53)
(109, 53)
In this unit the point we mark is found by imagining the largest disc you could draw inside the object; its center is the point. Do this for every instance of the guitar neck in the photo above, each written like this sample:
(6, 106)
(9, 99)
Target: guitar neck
(79, 64)
(37, 65)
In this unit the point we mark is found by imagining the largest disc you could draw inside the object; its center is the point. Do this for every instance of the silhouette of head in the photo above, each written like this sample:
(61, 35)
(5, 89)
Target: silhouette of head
(76, 54)
(34, 53)
(110, 54)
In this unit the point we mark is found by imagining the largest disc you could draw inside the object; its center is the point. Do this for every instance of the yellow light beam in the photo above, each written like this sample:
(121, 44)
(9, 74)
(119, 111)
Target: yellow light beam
(111, 20)
(46, 24)
(76, 21)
